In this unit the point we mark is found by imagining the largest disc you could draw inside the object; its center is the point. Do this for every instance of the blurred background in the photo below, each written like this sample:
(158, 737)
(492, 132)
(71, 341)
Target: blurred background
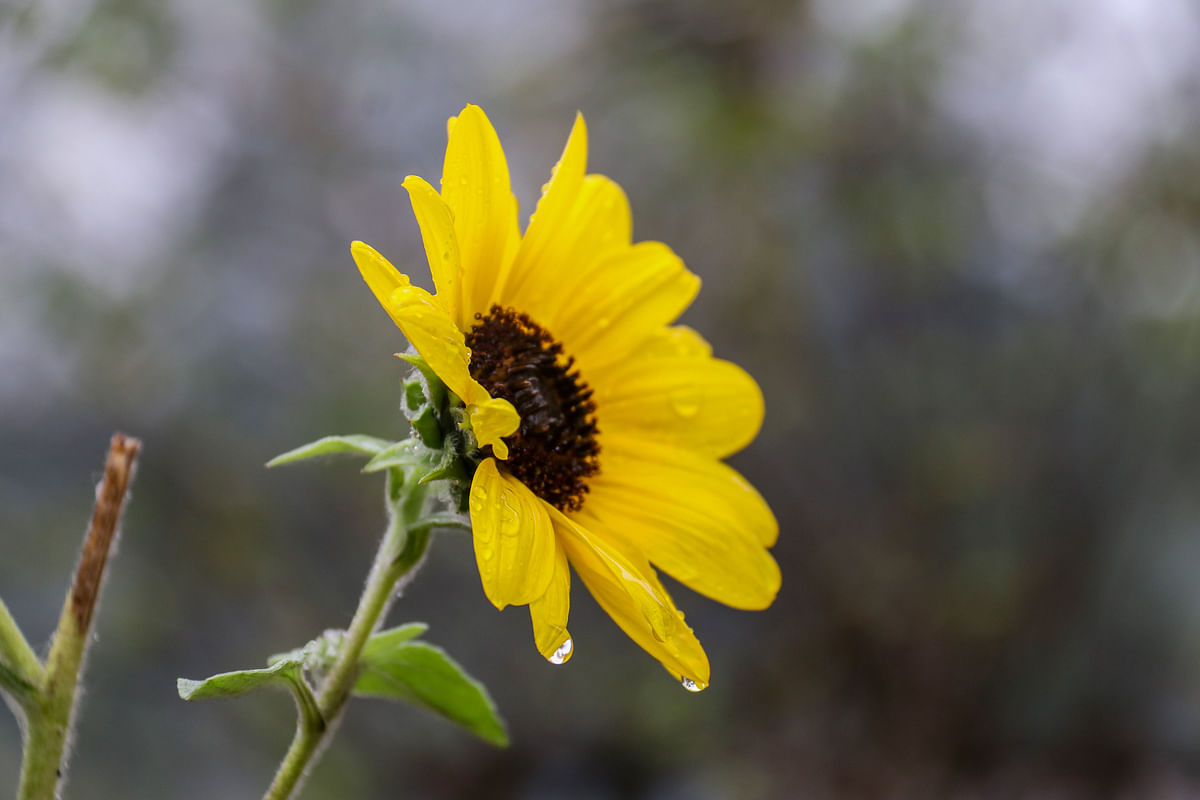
(957, 244)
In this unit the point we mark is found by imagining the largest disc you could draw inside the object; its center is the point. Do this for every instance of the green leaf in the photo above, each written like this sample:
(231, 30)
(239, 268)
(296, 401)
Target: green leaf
(407, 453)
(425, 676)
(378, 645)
(331, 445)
(230, 684)
(288, 673)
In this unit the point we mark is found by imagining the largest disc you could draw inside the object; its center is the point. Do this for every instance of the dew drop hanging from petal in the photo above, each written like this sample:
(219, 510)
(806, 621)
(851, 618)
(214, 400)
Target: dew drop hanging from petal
(562, 653)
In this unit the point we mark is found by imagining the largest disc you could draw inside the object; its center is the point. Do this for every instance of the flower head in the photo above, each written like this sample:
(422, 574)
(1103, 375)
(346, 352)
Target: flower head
(600, 426)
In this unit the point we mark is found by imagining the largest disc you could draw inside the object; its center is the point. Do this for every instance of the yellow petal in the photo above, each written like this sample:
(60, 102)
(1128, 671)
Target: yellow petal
(623, 301)
(703, 554)
(429, 328)
(380, 275)
(676, 341)
(550, 611)
(698, 490)
(626, 587)
(475, 185)
(599, 224)
(535, 258)
(707, 405)
(492, 419)
(441, 243)
(514, 540)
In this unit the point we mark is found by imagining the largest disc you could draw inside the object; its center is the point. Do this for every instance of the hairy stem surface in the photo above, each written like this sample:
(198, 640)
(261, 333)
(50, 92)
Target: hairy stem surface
(400, 553)
(49, 715)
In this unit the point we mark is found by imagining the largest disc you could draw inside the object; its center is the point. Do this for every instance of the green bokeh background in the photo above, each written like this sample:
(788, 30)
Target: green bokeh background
(957, 244)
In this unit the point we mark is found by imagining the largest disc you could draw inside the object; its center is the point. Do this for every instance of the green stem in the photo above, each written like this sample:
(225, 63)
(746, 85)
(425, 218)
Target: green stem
(50, 712)
(401, 551)
(16, 654)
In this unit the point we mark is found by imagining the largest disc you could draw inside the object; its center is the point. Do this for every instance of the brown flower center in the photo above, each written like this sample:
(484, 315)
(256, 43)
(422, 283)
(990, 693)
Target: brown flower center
(555, 449)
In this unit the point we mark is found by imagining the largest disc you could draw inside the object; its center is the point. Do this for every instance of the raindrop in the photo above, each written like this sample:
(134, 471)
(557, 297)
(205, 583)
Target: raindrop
(486, 552)
(510, 525)
(692, 686)
(562, 653)
(686, 405)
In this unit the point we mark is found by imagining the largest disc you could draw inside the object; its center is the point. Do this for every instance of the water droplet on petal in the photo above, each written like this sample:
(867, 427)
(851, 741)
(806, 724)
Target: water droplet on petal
(686, 404)
(486, 552)
(693, 686)
(510, 525)
(562, 653)
(463, 180)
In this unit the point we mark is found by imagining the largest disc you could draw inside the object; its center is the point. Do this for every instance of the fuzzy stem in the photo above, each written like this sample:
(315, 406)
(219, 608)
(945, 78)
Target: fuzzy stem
(50, 715)
(400, 553)
(16, 653)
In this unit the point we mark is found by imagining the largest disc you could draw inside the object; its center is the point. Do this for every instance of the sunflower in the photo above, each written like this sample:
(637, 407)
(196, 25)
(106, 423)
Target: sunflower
(600, 425)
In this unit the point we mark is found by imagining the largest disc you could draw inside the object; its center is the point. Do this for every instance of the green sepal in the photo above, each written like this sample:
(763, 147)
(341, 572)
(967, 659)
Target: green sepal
(423, 675)
(428, 427)
(425, 401)
(435, 390)
(408, 453)
(331, 445)
(414, 396)
(449, 467)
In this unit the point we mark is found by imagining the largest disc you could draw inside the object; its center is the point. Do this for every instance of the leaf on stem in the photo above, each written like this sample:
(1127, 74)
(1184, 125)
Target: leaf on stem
(407, 453)
(230, 684)
(378, 645)
(288, 673)
(332, 445)
(422, 674)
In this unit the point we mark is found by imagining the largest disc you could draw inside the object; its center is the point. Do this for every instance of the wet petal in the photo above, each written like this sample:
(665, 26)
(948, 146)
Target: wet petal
(475, 186)
(492, 419)
(550, 611)
(698, 490)
(535, 258)
(441, 243)
(707, 405)
(676, 341)
(380, 275)
(700, 552)
(623, 301)
(514, 540)
(599, 224)
(429, 328)
(626, 587)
